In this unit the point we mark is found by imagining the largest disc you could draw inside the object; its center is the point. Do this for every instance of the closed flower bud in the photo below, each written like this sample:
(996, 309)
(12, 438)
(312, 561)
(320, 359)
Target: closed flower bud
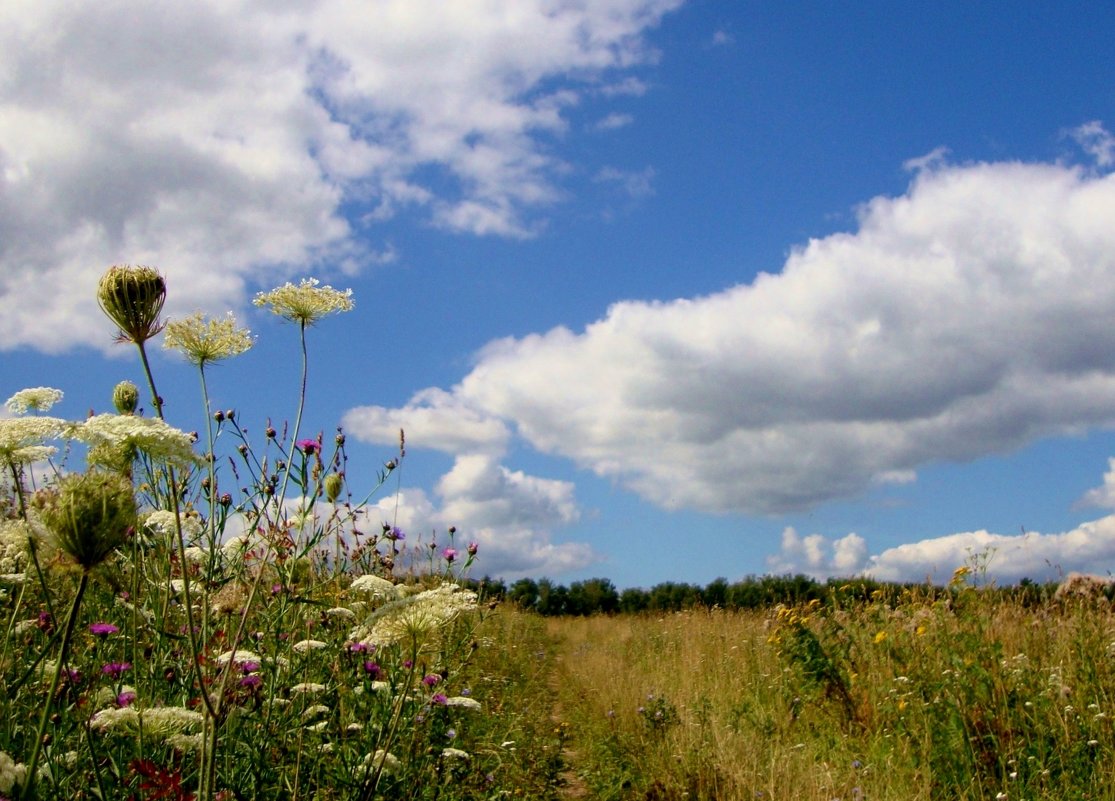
(125, 397)
(88, 515)
(333, 486)
(133, 298)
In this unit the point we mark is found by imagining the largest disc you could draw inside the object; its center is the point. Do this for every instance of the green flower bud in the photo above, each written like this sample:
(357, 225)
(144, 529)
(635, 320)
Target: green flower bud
(125, 397)
(88, 515)
(333, 486)
(133, 297)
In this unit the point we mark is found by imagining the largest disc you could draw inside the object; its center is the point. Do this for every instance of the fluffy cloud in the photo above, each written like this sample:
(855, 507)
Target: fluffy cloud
(508, 514)
(968, 316)
(816, 556)
(1008, 558)
(219, 140)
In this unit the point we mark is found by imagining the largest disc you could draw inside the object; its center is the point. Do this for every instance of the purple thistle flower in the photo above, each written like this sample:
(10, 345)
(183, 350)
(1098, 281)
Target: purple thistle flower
(439, 699)
(116, 669)
(308, 446)
(102, 629)
(431, 679)
(373, 670)
(125, 698)
(473, 547)
(251, 682)
(449, 554)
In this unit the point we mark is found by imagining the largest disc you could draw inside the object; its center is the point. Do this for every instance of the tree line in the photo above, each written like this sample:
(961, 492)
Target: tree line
(600, 596)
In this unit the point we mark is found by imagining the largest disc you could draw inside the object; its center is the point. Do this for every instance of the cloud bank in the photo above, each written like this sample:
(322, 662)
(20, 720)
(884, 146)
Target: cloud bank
(969, 316)
(231, 143)
(1007, 558)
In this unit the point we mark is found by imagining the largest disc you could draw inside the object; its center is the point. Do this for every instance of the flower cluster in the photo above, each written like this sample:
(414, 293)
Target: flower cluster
(416, 617)
(151, 435)
(306, 303)
(204, 341)
(36, 399)
(11, 773)
(22, 438)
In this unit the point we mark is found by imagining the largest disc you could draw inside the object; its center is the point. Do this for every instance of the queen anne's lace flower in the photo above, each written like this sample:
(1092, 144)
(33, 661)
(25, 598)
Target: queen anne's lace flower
(463, 701)
(204, 341)
(306, 303)
(302, 646)
(34, 399)
(160, 722)
(149, 434)
(376, 586)
(416, 617)
(22, 438)
(11, 773)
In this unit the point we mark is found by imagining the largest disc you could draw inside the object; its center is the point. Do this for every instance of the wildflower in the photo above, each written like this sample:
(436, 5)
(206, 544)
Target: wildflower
(415, 617)
(115, 670)
(239, 656)
(150, 435)
(314, 711)
(464, 702)
(36, 399)
(125, 397)
(340, 612)
(88, 515)
(449, 554)
(374, 585)
(102, 629)
(22, 438)
(333, 484)
(126, 697)
(431, 679)
(383, 761)
(372, 669)
(439, 699)
(308, 687)
(308, 446)
(251, 681)
(14, 536)
(454, 753)
(302, 646)
(394, 533)
(473, 548)
(880, 637)
(203, 341)
(133, 298)
(306, 303)
(11, 773)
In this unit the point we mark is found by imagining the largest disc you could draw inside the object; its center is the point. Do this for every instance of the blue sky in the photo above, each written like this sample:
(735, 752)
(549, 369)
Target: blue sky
(658, 290)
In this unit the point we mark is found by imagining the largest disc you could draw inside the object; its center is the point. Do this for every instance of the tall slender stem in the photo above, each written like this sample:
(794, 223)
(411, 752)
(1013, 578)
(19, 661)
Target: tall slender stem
(298, 416)
(28, 792)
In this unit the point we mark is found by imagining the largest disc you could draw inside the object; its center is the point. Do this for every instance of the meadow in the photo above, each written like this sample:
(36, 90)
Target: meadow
(218, 616)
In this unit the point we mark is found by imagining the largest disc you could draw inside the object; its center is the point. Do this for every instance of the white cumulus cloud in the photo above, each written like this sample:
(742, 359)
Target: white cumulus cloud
(968, 316)
(219, 140)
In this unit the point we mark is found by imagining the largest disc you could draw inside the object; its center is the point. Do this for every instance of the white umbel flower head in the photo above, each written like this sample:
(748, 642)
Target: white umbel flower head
(33, 399)
(12, 773)
(306, 303)
(22, 438)
(415, 618)
(203, 341)
(149, 434)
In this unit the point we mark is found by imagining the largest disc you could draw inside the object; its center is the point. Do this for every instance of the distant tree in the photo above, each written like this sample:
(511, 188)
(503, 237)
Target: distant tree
(553, 599)
(524, 592)
(596, 595)
(715, 593)
(633, 600)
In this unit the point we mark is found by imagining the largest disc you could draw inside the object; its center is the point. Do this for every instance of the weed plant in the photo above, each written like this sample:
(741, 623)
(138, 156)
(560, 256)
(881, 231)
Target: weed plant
(963, 694)
(219, 617)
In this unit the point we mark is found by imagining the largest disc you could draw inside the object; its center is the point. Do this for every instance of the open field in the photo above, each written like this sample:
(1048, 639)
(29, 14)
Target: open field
(968, 697)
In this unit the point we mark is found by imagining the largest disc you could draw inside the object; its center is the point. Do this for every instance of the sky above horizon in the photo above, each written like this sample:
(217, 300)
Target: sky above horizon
(658, 290)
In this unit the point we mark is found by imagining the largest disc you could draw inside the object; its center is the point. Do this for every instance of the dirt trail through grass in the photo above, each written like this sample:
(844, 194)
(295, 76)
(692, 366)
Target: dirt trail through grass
(570, 783)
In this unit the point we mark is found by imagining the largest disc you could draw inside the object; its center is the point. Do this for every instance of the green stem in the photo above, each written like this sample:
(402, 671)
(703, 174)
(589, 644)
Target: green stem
(297, 419)
(28, 791)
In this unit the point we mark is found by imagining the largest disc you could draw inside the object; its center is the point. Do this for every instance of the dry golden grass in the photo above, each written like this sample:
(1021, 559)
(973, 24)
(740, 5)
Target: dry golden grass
(966, 697)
